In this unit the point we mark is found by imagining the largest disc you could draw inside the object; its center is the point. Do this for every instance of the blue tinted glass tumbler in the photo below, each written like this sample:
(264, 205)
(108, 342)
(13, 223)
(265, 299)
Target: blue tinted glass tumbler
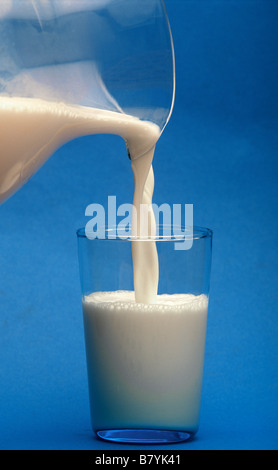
(145, 362)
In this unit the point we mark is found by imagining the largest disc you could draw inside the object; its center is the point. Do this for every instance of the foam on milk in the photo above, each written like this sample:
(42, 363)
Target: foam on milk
(31, 130)
(145, 362)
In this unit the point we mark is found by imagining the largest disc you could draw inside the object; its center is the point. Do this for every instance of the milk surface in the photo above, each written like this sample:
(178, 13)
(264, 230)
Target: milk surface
(31, 130)
(145, 362)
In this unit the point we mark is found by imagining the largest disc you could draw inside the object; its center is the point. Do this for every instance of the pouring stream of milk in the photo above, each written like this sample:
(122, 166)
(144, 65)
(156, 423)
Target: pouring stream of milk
(42, 127)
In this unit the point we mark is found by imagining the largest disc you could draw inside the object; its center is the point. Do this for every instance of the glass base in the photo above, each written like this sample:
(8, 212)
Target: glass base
(144, 436)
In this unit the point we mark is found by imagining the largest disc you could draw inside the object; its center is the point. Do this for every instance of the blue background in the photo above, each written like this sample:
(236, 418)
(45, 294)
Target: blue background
(220, 153)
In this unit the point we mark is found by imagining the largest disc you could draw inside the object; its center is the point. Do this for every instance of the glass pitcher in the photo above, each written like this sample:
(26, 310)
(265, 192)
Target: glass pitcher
(60, 58)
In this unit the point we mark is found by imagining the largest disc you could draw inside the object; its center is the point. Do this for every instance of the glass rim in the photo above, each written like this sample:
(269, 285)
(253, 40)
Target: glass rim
(178, 233)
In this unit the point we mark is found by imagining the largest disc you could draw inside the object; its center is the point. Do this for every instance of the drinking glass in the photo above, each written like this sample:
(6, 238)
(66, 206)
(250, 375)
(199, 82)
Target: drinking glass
(145, 362)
